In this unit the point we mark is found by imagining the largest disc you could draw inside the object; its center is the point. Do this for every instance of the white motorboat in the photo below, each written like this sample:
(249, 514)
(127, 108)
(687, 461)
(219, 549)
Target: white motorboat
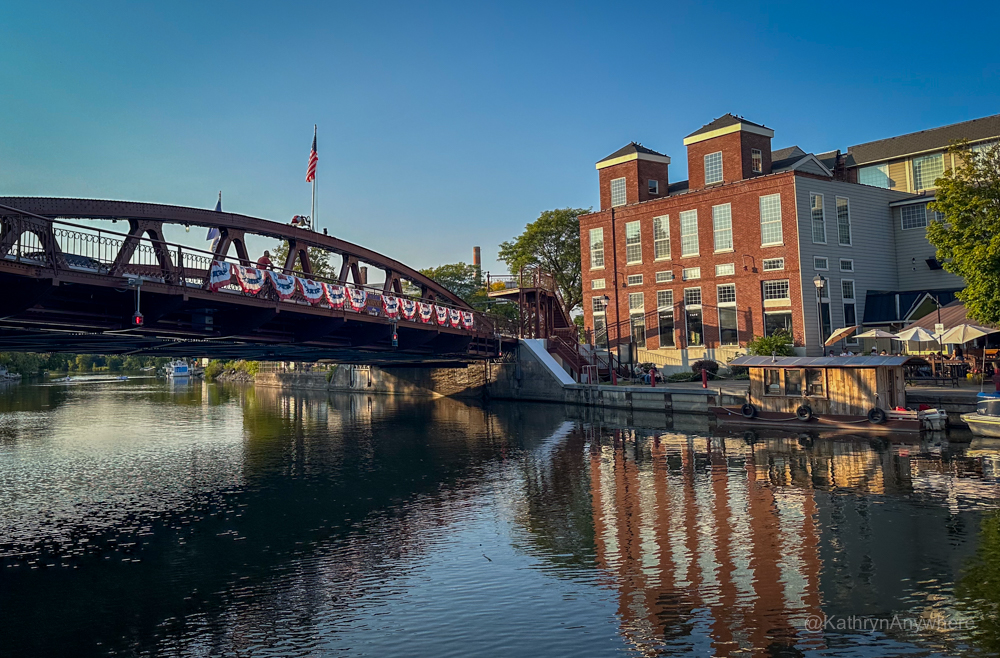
(178, 369)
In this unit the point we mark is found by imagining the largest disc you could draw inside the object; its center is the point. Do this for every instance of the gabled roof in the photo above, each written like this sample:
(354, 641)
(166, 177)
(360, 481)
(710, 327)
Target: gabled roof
(880, 306)
(785, 153)
(952, 315)
(829, 159)
(632, 151)
(724, 121)
(800, 163)
(926, 140)
(727, 123)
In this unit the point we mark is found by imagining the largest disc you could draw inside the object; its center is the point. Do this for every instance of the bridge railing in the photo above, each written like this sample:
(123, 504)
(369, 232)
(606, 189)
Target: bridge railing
(95, 250)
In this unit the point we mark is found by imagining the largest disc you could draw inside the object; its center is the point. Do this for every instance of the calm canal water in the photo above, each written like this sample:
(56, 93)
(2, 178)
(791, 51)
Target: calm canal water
(139, 518)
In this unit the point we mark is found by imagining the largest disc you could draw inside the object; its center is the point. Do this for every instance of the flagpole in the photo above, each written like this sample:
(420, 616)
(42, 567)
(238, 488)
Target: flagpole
(315, 225)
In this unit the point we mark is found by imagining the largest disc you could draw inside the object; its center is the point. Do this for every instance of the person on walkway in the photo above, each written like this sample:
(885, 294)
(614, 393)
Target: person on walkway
(264, 262)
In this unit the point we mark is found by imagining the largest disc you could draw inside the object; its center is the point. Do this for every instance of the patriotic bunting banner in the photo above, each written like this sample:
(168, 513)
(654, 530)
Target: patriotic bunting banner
(455, 316)
(334, 295)
(409, 308)
(250, 278)
(220, 274)
(426, 312)
(312, 291)
(442, 314)
(358, 298)
(284, 284)
(391, 305)
(467, 319)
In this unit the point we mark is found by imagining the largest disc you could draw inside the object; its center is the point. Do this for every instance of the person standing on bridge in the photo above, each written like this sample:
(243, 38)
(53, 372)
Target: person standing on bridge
(264, 262)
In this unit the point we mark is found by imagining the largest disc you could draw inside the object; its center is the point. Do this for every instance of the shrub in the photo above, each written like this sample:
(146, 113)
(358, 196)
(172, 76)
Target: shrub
(681, 377)
(705, 364)
(213, 369)
(779, 343)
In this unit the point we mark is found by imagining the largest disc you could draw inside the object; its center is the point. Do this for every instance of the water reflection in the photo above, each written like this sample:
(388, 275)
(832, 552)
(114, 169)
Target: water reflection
(140, 518)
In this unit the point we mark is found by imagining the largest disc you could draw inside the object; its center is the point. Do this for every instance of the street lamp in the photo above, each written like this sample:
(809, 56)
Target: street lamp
(820, 282)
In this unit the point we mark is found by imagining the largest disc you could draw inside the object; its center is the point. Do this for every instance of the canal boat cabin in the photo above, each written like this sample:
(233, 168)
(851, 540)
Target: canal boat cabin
(857, 392)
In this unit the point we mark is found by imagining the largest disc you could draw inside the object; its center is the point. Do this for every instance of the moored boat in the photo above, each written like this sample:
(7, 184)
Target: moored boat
(985, 420)
(177, 369)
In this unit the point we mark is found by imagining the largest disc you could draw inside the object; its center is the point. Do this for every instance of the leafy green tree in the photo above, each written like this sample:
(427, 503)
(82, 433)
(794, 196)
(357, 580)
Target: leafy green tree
(779, 343)
(968, 240)
(319, 259)
(551, 242)
(978, 590)
(460, 278)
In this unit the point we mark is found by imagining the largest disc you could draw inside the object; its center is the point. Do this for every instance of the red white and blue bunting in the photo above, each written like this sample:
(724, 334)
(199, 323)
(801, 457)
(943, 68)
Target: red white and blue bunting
(219, 275)
(391, 305)
(426, 312)
(442, 315)
(455, 317)
(250, 279)
(409, 308)
(467, 319)
(334, 295)
(311, 290)
(284, 284)
(358, 298)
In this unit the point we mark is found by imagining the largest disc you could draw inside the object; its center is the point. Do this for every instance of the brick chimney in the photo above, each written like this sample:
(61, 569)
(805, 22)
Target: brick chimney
(727, 150)
(635, 172)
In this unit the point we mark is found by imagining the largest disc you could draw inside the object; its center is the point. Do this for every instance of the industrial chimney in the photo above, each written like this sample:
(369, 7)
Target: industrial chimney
(477, 262)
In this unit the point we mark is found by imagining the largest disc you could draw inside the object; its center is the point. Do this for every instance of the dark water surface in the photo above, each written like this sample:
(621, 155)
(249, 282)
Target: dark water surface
(138, 518)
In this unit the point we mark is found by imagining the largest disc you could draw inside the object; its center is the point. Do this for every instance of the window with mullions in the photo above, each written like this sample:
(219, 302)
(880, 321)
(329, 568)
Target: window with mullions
(844, 221)
(770, 220)
(914, 216)
(818, 218)
(618, 192)
(722, 224)
(665, 317)
(596, 248)
(774, 264)
(725, 269)
(793, 382)
(634, 280)
(713, 168)
(693, 317)
(756, 161)
(876, 176)
(661, 237)
(926, 170)
(633, 243)
(776, 289)
(689, 233)
(728, 332)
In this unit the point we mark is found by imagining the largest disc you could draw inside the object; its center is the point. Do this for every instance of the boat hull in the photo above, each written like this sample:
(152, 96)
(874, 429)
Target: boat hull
(982, 425)
(733, 416)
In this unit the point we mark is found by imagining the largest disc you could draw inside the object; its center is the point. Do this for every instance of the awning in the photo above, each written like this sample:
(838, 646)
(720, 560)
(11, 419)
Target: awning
(963, 333)
(840, 334)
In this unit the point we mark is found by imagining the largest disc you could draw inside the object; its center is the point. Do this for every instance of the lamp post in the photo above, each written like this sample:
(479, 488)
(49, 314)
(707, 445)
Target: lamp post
(820, 282)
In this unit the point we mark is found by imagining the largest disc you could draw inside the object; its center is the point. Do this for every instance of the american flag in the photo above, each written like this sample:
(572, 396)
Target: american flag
(313, 159)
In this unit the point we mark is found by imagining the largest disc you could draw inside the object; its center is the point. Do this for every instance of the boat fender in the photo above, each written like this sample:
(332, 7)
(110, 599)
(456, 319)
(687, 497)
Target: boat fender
(804, 412)
(748, 410)
(876, 416)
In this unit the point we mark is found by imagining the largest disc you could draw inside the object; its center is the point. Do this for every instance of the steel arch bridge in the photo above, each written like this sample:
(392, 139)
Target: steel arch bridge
(68, 287)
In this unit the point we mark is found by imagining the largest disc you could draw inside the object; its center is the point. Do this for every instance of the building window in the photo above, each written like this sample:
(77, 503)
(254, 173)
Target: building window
(722, 224)
(914, 216)
(926, 170)
(637, 318)
(793, 382)
(597, 284)
(665, 313)
(600, 331)
(661, 237)
(633, 243)
(814, 382)
(689, 233)
(599, 304)
(772, 381)
(756, 161)
(850, 310)
(847, 289)
(821, 263)
(982, 147)
(818, 218)
(725, 269)
(635, 302)
(844, 221)
(726, 304)
(770, 220)
(726, 293)
(689, 273)
(846, 265)
(773, 264)
(713, 168)
(775, 321)
(692, 314)
(933, 216)
(596, 248)
(618, 192)
(664, 277)
(634, 279)
(776, 290)
(876, 176)
(654, 187)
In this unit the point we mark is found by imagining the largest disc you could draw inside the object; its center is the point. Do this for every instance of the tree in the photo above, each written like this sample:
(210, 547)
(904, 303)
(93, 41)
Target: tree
(968, 240)
(779, 343)
(551, 242)
(460, 278)
(318, 258)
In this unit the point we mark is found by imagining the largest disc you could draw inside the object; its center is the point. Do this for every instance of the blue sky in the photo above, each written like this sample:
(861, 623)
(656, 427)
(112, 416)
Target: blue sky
(448, 125)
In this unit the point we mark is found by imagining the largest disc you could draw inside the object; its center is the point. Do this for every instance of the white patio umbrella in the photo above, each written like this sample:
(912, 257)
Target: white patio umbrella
(918, 334)
(963, 333)
(876, 334)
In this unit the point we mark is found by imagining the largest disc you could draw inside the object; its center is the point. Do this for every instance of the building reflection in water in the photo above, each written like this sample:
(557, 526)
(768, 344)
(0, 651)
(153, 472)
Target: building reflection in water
(728, 546)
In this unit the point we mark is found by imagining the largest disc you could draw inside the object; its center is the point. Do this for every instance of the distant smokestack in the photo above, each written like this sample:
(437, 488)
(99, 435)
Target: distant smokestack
(477, 262)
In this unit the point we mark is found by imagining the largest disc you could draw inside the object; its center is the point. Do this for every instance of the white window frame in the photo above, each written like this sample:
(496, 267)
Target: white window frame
(817, 267)
(634, 280)
(881, 168)
(722, 226)
(771, 222)
(690, 273)
(599, 232)
(847, 260)
(653, 186)
(714, 180)
(921, 209)
(787, 287)
(636, 309)
(840, 223)
(598, 284)
(633, 243)
(660, 305)
(618, 187)
(661, 244)
(730, 266)
(756, 161)
(688, 215)
(665, 277)
(854, 291)
(598, 305)
(718, 299)
(921, 159)
(813, 196)
(700, 300)
(774, 268)
(850, 301)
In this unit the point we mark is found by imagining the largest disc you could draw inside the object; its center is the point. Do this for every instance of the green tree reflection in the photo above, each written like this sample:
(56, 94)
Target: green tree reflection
(979, 589)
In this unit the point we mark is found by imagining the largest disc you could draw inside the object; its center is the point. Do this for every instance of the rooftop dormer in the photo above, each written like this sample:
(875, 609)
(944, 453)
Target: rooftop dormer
(632, 174)
(727, 150)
